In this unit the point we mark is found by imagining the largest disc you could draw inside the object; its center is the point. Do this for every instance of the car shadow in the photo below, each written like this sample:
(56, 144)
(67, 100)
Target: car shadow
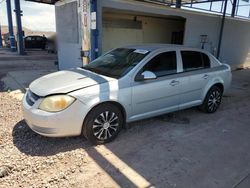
(127, 159)
(33, 144)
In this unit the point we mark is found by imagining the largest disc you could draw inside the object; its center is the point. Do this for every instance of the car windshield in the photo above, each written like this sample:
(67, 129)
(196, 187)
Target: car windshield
(117, 63)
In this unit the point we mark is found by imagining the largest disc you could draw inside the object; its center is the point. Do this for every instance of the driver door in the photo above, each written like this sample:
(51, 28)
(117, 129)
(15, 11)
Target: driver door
(160, 95)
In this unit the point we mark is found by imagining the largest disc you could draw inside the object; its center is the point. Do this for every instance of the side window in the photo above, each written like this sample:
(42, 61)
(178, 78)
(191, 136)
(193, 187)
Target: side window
(162, 64)
(206, 60)
(194, 60)
(28, 39)
(39, 38)
(191, 60)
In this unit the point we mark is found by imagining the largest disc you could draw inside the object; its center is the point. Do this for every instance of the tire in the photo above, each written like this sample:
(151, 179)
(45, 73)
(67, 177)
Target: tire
(103, 123)
(212, 100)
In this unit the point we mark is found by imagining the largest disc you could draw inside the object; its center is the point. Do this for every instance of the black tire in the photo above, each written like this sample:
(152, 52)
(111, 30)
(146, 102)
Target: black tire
(212, 100)
(103, 123)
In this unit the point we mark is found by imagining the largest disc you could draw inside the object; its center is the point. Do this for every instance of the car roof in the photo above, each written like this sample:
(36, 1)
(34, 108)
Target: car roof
(153, 47)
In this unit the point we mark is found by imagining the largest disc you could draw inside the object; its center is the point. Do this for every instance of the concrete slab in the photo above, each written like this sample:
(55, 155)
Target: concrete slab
(25, 77)
(245, 183)
(6, 66)
(18, 74)
(16, 82)
(7, 55)
(211, 151)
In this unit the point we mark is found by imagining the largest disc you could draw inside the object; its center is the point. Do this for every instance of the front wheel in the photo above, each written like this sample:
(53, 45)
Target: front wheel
(103, 124)
(212, 100)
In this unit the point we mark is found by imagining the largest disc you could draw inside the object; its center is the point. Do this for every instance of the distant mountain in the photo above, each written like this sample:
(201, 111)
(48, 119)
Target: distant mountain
(27, 32)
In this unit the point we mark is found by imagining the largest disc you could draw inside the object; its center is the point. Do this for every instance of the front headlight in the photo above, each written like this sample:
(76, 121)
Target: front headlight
(56, 103)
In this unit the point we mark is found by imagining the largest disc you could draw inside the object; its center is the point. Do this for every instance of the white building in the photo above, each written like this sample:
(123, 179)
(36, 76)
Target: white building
(114, 23)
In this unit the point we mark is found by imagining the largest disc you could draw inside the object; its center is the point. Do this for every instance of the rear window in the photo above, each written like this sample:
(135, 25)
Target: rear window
(39, 38)
(194, 60)
(206, 60)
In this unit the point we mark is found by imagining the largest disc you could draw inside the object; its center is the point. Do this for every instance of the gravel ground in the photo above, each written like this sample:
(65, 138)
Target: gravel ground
(19, 147)
(30, 160)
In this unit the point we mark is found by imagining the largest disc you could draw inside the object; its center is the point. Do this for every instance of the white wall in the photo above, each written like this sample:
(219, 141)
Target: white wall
(160, 30)
(68, 34)
(196, 23)
(236, 40)
(235, 45)
(149, 30)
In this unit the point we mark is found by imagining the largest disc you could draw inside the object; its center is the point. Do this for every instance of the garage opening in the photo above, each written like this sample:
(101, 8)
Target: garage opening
(127, 28)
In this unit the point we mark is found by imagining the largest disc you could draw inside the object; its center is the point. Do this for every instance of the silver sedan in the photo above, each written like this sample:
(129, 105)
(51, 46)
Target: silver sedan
(124, 85)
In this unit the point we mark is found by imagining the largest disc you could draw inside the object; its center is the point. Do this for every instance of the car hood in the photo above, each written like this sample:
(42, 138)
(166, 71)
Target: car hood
(66, 81)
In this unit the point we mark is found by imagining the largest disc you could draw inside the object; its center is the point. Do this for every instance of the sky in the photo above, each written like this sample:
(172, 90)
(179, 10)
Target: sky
(36, 16)
(243, 9)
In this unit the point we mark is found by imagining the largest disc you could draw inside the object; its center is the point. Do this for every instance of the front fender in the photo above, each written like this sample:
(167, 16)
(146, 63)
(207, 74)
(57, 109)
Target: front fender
(96, 95)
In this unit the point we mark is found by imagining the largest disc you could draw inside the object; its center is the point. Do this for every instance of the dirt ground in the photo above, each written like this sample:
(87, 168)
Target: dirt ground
(183, 149)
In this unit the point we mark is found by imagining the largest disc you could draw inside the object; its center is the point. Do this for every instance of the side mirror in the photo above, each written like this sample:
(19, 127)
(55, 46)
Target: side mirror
(148, 75)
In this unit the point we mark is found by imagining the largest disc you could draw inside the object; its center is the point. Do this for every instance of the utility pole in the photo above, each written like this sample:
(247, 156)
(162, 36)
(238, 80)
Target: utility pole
(20, 42)
(10, 24)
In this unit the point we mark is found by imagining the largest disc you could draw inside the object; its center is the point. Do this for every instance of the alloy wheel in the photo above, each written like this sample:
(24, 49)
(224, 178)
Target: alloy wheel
(105, 125)
(214, 101)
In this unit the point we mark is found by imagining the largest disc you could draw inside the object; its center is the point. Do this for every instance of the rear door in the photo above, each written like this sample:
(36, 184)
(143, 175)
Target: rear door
(196, 69)
(39, 42)
(154, 97)
(33, 42)
(28, 42)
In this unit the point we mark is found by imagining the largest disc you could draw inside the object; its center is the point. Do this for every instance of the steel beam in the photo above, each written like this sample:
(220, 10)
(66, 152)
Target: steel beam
(20, 41)
(10, 24)
(199, 2)
(49, 2)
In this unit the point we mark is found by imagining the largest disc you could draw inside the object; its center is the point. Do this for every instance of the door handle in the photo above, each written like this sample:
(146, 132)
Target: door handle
(205, 76)
(174, 82)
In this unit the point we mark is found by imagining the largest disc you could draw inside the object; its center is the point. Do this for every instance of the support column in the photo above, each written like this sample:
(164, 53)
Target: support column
(1, 41)
(20, 42)
(234, 8)
(86, 30)
(222, 28)
(94, 30)
(178, 4)
(10, 24)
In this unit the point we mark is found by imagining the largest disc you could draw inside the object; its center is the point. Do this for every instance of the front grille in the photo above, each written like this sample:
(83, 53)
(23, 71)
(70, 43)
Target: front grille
(31, 98)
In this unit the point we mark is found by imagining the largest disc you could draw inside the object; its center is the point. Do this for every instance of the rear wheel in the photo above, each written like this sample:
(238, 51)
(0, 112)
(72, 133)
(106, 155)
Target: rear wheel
(103, 124)
(212, 100)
